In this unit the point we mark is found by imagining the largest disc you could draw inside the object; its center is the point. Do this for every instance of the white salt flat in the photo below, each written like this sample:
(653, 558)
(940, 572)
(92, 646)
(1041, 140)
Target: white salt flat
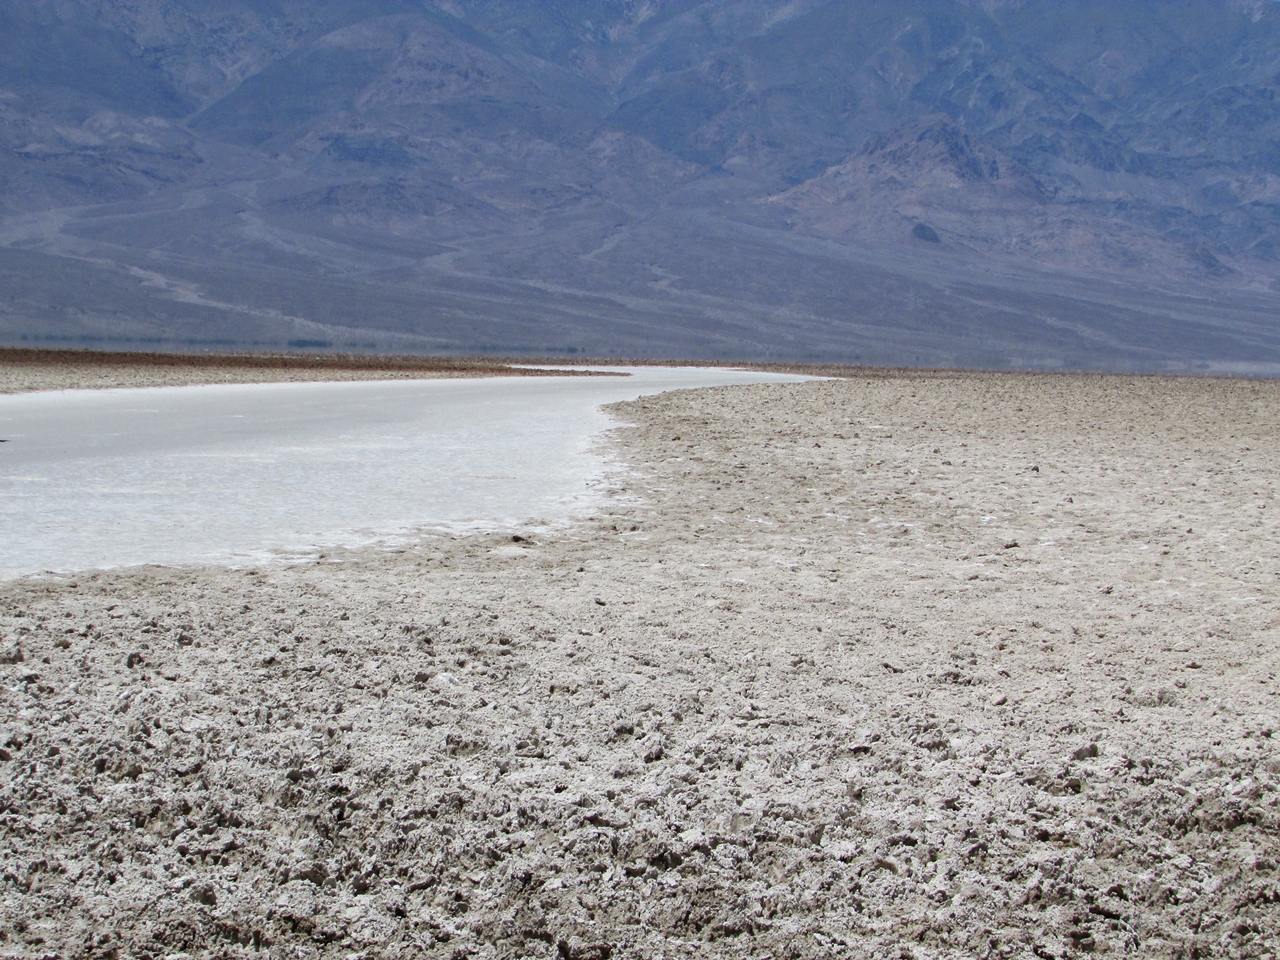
(244, 473)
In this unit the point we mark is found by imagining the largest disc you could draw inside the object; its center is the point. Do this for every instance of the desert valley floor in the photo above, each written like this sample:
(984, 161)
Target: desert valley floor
(901, 665)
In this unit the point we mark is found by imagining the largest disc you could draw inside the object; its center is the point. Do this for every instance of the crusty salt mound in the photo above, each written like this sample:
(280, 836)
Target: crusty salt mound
(918, 666)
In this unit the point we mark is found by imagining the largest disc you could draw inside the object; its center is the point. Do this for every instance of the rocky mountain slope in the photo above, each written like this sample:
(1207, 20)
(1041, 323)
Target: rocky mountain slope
(1053, 184)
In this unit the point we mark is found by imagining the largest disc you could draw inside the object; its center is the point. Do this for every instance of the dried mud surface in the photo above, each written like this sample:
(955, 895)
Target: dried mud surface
(908, 666)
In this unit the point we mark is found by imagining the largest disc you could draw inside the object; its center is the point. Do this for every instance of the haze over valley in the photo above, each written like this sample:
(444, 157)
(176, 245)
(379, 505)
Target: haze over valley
(1033, 184)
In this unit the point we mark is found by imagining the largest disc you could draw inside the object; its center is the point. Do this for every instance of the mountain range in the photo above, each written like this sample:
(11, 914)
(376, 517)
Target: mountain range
(1050, 184)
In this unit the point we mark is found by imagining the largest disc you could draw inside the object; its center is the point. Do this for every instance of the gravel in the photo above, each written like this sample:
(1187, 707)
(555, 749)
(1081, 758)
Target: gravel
(904, 666)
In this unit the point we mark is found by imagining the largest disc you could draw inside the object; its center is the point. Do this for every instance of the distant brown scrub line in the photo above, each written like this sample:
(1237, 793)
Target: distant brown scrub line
(346, 362)
(839, 370)
(497, 366)
(481, 366)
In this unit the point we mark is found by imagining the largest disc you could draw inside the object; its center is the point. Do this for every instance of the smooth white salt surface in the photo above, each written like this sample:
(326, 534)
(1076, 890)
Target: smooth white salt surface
(249, 472)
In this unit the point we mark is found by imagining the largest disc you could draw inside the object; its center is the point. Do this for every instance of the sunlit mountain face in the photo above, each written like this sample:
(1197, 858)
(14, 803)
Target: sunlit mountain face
(1046, 184)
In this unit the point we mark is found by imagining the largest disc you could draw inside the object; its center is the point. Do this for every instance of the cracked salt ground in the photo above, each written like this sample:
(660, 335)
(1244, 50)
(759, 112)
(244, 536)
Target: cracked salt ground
(602, 746)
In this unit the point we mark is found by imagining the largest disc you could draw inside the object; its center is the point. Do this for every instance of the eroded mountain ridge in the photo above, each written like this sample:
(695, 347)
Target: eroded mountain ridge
(912, 181)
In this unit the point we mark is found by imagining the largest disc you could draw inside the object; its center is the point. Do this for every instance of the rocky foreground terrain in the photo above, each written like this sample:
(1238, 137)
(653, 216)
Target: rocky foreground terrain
(899, 666)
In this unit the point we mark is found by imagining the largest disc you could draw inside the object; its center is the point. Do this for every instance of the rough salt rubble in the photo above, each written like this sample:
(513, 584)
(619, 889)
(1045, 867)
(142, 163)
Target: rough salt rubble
(909, 666)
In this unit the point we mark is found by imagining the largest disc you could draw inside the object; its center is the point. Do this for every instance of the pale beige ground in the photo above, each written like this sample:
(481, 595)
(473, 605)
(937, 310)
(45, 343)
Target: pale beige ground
(60, 377)
(26, 378)
(908, 666)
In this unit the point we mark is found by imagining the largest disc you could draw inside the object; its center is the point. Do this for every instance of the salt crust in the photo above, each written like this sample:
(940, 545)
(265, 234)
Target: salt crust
(928, 665)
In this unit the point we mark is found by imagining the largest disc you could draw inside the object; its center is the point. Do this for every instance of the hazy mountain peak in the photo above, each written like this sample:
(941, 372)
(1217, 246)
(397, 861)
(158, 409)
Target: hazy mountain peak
(1256, 9)
(938, 145)
(582, 173)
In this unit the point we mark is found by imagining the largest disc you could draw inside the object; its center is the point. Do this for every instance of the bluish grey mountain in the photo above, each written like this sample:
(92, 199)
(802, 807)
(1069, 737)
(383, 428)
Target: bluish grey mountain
(1039, 183)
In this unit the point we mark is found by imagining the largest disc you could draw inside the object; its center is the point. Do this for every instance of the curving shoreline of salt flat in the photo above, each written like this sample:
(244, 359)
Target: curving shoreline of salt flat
(246, 472)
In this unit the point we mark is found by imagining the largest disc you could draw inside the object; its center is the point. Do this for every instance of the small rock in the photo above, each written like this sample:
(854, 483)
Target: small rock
(12, 655)
(999, 701)
(1086, 752)
(575, 949)
(133, 660)
(315, 871)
